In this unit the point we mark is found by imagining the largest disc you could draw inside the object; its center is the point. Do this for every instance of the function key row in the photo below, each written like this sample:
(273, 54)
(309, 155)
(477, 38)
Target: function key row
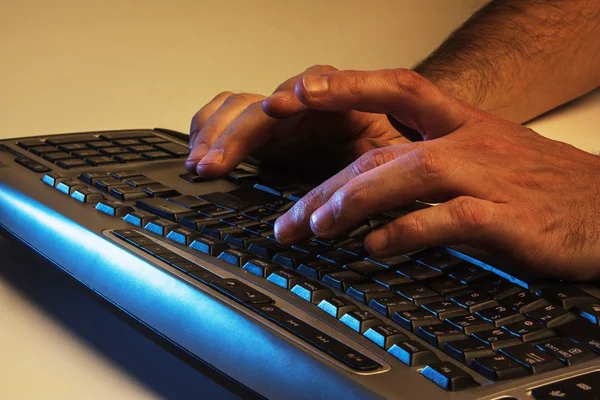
(256, 301)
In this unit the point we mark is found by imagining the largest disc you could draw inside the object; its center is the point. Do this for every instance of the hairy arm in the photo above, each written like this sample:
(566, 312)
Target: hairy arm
(520, 58)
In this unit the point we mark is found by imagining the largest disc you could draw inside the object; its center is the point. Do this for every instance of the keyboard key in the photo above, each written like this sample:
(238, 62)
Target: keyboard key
(41, 150)
(445, 309)
(208, 245)
(140, 148)
(286, 278)
(342, 280)
(580, 387)
(161, 226)
(582, 331)
(529, 330)
(417, 293)
(197, 221)
(551, 315)
(385, 336)
(419, 272)
(262, 214)
(236, 257)
(108, 184)
(567, 350)
(412, 320)
(566, 296)
(69, 164)
(317, 269)
(53, 178)
(240, 176)
(496, 338)
(277, 190)
(365, 268)
(53, 157)
(99, 144)
(160, 190)
(497, 367)
(125, 174)
(139, 218)
(496, 287)
(113, 151)
(392, 263)
(127, 193)
(312, 291)
(470, 323)
(163, 208)
(227, 200)
(219, 230)
(291, 258)
(448, 376)
(438, 335)
(524, 302)
(356, 248)
(412, 353)
(500, 315)
(85, 194)
(391, 280)
(242, 239)
(68, 148)
(337, 257)
(156, 155)
(128, 157)
(92, 177)
(239, 221)
(215, 211)
(173, 148)
(265, 248)
(263, 229)
(467, 349)
(311, 247)
(55, 141)
(192, 177)
(127, 142)
(468, 273)
(28, 143)
(474, 301)
(336, 306)
(446, 286)
(153, 140)
(532, 358)
(365, 292)
(126, 135)
(360, 320)
(438, 259)
(68, 186)
(240, 291)
(114, 208)
(183, 235)
(140, 181)
(387, 306)
(278, 205)
(97, 161)
(32, 165)
(261, 267)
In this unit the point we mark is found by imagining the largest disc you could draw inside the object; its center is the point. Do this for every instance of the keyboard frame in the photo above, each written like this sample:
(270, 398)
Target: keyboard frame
(275, 364)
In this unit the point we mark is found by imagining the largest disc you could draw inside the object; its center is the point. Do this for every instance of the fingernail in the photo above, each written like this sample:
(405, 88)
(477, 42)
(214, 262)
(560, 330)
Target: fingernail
(284, 228)
(197, 152)
(376, 242)
(283, 96)
(322, 220)
(315, 85)
(213, 157)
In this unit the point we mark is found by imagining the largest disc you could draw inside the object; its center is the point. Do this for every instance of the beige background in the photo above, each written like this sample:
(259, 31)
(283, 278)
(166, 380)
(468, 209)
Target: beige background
(90, 65)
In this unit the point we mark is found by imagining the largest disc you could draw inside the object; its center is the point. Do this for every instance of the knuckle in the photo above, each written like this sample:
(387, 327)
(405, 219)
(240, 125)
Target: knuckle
(236, 98)
(407, 81)
(352, 197)
(468, 212)
(355, 82)
(426, 164)
(370, 160)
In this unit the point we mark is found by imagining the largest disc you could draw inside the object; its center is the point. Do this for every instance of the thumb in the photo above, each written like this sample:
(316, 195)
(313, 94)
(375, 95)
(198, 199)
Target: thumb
(403, 94)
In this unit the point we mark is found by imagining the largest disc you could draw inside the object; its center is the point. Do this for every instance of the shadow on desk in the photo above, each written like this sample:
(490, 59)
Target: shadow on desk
(132, 348)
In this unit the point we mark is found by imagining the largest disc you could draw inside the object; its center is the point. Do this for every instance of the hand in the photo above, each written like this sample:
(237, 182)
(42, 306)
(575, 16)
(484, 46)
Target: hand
(281, 130)
(510, 190)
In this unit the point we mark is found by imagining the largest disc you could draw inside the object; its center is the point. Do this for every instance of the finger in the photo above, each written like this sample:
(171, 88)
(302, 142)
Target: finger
(283, 103)
(295, 224)
(404, 94)
(204, 114)
(463, 220)
(230, 109)
(421, 172)
(249, 131)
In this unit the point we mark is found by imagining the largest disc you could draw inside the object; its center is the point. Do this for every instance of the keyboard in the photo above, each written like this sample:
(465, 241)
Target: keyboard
(196, 262)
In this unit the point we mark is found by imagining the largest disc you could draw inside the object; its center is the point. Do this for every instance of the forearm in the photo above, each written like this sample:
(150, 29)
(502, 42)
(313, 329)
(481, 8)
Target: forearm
(520, 58)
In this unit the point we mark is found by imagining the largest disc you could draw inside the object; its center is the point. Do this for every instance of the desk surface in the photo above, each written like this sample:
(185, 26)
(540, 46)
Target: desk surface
(76, 66)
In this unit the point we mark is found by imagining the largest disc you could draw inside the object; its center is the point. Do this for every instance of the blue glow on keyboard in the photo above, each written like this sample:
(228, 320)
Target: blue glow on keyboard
(133, 220)
(200, 246)
(375, 337)
(351, 322)
(177, 237)
(154, 228)
(592, 318)
(278, 280)
(435, 376)
(48, 180)
(302, 292)
(253, 269)
(328, 308)
(400, 354)
(78, 196)
(105, 209)
(63, 188)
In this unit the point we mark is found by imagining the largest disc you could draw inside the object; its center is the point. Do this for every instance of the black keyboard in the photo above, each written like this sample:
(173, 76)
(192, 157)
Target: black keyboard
(196, 261)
